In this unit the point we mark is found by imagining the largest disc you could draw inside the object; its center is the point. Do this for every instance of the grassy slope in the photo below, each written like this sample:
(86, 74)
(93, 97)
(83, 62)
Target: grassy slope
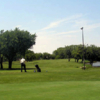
(59, 80)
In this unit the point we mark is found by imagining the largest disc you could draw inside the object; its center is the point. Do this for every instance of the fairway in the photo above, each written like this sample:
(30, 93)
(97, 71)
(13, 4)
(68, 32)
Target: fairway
(59, 80)
(71, 90)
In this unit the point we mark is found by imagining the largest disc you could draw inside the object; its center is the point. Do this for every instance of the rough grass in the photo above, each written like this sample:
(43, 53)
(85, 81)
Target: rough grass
(59, 80)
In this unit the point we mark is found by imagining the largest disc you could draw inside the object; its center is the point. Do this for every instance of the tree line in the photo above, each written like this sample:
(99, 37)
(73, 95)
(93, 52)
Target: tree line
(14, 44)
(91, 53)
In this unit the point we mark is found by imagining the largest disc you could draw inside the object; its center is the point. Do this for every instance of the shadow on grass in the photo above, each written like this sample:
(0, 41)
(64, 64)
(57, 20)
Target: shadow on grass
(17, 69)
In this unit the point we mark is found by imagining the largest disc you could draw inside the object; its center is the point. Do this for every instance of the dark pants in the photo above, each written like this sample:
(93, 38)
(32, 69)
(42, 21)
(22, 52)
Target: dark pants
(23, 65)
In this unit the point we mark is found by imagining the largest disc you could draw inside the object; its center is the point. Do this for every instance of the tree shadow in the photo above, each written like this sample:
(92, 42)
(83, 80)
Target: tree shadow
(17, 69)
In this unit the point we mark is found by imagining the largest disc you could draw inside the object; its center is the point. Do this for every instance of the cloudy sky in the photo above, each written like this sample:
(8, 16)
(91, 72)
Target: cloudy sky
(56, 23)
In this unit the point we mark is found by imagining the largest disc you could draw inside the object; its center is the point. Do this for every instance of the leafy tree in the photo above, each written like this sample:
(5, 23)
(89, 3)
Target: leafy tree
(55, 53)
(1, 56)
(17, 57)
(78, 52)
(92, 53)
(46, 55)
(29, 55)
(15, 41)
(52, 56)
(58, 57)
(1, 61)
(59, 53)
(68, 51)
(38, 56)
(98, 53)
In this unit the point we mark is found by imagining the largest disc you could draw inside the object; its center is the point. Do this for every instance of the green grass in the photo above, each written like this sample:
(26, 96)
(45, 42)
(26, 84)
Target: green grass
(74, 90)
(59, 80)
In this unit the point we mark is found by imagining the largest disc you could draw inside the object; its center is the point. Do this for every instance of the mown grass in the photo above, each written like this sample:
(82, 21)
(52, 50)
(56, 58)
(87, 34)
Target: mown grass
(64, 90)
(52, 70)
(59, 80)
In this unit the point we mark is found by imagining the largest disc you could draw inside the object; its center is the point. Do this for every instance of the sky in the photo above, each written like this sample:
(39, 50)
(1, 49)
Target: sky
(56, 23)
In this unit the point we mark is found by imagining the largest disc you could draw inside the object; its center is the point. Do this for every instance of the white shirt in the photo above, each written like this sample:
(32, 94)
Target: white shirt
(22, 60)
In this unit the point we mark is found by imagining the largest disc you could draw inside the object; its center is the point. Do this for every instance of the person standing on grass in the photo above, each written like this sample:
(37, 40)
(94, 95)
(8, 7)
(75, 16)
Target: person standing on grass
(22, 61)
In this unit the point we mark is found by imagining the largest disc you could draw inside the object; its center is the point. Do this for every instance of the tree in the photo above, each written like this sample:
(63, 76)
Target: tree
(1, 61)
(59, 53)
(1, 56)
(68, 51)
(98, 53)
(46, 55)
(38, 56)
(55, 53)
(15, 41)
(29, 55)
(92, 53)
(52, 56)
(78, 52)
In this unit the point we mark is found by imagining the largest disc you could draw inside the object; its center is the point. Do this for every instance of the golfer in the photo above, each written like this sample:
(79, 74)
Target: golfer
(22, 61)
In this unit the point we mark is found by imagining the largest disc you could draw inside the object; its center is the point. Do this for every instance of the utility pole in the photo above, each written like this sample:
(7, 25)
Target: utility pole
(83, 47)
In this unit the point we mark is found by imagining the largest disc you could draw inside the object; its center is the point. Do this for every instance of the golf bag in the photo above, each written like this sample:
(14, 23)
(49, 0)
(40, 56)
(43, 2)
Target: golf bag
(38, 69)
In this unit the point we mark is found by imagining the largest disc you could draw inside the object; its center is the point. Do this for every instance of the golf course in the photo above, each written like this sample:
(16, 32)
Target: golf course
(58, 80)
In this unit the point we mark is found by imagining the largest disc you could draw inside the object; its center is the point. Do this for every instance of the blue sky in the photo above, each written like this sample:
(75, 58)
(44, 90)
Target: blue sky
(56, 23)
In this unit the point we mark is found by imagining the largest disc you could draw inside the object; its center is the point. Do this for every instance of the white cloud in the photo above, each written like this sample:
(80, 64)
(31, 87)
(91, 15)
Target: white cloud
(93, 26)
(43, 44)
(45, 32)
(86, 24)
(52, 25)
(56, 23)
(68, 33)
(75, 31)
